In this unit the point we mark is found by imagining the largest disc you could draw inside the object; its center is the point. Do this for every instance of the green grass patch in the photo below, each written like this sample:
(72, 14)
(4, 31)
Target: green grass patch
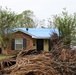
(4, 56)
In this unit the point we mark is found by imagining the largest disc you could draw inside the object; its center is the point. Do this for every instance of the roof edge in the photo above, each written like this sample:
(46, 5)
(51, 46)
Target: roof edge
(24, 33)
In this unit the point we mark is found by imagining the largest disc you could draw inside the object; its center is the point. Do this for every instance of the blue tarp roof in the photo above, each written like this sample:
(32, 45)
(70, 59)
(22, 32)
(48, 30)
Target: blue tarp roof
(38, 32)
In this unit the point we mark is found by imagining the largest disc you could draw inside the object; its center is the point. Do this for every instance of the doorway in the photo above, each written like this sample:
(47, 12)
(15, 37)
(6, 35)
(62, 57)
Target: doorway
(40, 44)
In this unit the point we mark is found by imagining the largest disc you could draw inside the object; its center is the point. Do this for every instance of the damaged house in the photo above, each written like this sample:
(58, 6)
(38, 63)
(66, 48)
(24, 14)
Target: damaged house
(30, 38)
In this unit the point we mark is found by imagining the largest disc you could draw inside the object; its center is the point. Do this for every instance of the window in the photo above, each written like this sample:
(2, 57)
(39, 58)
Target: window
(18, 44)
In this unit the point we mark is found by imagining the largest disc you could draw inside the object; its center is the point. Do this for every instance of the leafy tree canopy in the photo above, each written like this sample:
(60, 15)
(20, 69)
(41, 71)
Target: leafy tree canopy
(7, 21)
(66, 24)
(26, 19)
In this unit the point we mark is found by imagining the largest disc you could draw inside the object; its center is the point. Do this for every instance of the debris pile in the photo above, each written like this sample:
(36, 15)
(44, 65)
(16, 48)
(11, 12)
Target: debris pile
(45, 63)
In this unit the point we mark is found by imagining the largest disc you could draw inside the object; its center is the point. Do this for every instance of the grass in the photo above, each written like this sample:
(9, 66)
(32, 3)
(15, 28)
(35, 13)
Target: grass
(4, 56)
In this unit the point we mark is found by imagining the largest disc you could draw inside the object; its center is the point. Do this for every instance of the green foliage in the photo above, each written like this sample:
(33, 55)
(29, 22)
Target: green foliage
(7, 21)
(26, 19)
(66, 25)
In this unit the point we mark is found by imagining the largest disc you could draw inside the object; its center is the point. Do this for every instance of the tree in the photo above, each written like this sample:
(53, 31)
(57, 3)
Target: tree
(66, 25)
(7, 22)
(26, 19)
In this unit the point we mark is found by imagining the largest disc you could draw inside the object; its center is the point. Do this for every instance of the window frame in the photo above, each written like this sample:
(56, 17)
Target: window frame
(17, 42)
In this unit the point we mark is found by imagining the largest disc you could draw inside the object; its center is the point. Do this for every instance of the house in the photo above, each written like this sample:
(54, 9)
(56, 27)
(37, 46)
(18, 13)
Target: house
(30, 38)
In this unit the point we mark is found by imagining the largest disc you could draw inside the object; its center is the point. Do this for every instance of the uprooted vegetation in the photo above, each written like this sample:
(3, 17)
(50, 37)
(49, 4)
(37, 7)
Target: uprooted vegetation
(58, 62)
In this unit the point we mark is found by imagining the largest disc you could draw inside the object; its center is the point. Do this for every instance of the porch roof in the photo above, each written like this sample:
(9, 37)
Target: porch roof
(41, 33)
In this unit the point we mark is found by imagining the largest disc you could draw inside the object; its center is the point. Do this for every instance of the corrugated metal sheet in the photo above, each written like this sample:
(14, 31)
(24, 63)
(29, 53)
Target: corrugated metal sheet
(38, 32)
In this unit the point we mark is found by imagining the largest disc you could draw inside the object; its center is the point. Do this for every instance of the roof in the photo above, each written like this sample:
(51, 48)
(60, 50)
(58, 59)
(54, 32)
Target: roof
(38, 32)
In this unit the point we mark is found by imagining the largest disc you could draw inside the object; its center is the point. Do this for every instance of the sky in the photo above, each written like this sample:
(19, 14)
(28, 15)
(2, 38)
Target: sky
(43, 9)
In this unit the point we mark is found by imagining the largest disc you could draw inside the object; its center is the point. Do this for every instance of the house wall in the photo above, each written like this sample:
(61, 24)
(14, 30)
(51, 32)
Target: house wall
(34, 44)
(29, 42)
(46, 45)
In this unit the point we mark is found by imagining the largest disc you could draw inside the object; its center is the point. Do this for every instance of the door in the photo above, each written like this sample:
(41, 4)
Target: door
(40, 44)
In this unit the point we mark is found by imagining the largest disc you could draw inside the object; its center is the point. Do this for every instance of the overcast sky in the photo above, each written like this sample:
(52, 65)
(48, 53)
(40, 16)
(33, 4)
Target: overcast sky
(43, 9)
